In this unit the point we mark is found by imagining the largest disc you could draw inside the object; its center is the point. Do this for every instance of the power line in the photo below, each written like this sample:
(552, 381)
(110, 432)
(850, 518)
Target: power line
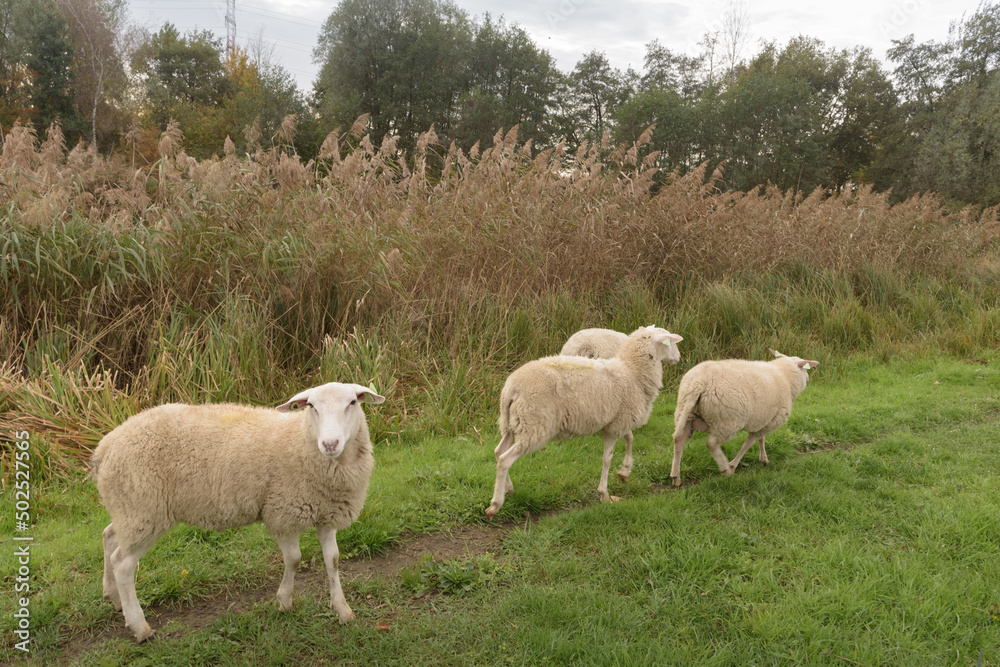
(158, 8)
(278, 15)
(295, 46)
(199, 5)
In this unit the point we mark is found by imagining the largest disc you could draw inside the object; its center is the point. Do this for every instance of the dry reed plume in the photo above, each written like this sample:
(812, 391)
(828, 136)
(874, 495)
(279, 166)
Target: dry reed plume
(237, 276)
(540, 220)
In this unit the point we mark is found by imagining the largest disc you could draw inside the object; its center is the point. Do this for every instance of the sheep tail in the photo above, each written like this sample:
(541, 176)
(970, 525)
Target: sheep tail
(687, 403)
(506, 399)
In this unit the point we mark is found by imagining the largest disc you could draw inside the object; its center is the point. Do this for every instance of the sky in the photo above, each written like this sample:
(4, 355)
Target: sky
(568, 29)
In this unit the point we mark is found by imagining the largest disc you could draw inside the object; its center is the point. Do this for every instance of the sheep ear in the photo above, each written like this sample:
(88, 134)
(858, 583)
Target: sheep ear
(775, 352)
(807, 364)
(296, 402)
(659, 335)
(674, 338)
(368, 395)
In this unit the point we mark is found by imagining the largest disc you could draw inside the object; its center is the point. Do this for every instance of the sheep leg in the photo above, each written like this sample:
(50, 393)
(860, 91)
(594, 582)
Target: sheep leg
(715, 447)
(763, 452)
(331, 556)
(602, 488)
(292, 555)
(123, 564)
(626, 469)
(505, 443)
(110, 586)
(752, 438)
(504, 462)
(680, 437)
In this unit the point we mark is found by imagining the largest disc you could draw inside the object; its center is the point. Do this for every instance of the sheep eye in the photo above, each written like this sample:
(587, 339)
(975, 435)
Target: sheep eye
(354, 402)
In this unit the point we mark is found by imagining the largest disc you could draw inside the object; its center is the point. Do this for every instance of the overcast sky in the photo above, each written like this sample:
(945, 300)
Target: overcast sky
(570, 28)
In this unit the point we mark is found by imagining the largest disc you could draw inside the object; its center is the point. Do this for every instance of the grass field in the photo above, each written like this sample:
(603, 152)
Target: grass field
(873, 537)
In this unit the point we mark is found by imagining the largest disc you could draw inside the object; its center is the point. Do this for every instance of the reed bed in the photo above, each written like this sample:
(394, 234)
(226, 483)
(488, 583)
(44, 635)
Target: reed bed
(433, 275)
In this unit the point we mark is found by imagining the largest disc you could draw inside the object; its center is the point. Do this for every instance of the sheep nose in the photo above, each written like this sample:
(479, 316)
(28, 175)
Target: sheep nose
(331, 446)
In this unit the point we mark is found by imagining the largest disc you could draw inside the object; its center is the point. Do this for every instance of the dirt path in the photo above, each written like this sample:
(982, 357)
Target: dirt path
(463, 542)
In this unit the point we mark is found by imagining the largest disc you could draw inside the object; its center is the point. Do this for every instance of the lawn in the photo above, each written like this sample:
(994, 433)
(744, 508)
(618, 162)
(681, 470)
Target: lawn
(873, 537)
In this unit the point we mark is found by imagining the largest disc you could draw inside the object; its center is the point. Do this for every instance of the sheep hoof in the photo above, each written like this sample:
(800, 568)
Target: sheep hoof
(614, 499)
(677, 481)
(286, 605)
(491, 511)
(345, 616)
(144, 634)
(623, 477)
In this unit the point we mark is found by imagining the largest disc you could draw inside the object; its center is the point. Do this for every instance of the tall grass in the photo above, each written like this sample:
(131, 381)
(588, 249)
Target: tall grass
(434, 275)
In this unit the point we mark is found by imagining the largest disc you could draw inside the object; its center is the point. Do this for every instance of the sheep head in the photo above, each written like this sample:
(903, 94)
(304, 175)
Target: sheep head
(334, 413)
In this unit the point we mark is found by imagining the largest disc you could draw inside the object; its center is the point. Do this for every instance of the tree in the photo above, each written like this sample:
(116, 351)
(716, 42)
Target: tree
(593, 91)
(94, 27)
(15, 100)
(49, 65)
(975, 47)
(402, 61)
(946, 137)
(672, 71)
(263, 92)
(668, 96)
(804, 116)
(508, 81)
(863, 114)
(735, 33)
(770, 123)
(675, 135)
(183, 78)
(182, 74)
(921, 71)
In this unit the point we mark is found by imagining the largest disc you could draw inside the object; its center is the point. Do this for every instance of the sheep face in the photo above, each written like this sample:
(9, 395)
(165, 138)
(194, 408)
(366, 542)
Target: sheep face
(667, 348)
(334, 413)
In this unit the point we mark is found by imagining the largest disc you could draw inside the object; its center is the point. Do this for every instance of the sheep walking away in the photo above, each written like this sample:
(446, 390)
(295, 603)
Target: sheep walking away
(605, 344)
(732, 395)
(561, 397)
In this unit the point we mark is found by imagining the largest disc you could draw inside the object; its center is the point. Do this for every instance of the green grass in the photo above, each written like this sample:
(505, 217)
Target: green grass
(872, 537)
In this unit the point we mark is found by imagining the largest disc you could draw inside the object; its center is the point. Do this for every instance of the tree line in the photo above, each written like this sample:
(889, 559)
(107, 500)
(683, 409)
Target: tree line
(798, 115)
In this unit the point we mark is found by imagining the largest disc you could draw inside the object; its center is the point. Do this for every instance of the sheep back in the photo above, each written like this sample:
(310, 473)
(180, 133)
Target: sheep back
(594, 343)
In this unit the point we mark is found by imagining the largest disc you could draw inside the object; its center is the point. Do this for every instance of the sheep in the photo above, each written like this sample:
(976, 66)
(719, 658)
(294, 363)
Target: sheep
(604, 344)
(225, 466)
(725, 397)
(594, 343)
(561, 397)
